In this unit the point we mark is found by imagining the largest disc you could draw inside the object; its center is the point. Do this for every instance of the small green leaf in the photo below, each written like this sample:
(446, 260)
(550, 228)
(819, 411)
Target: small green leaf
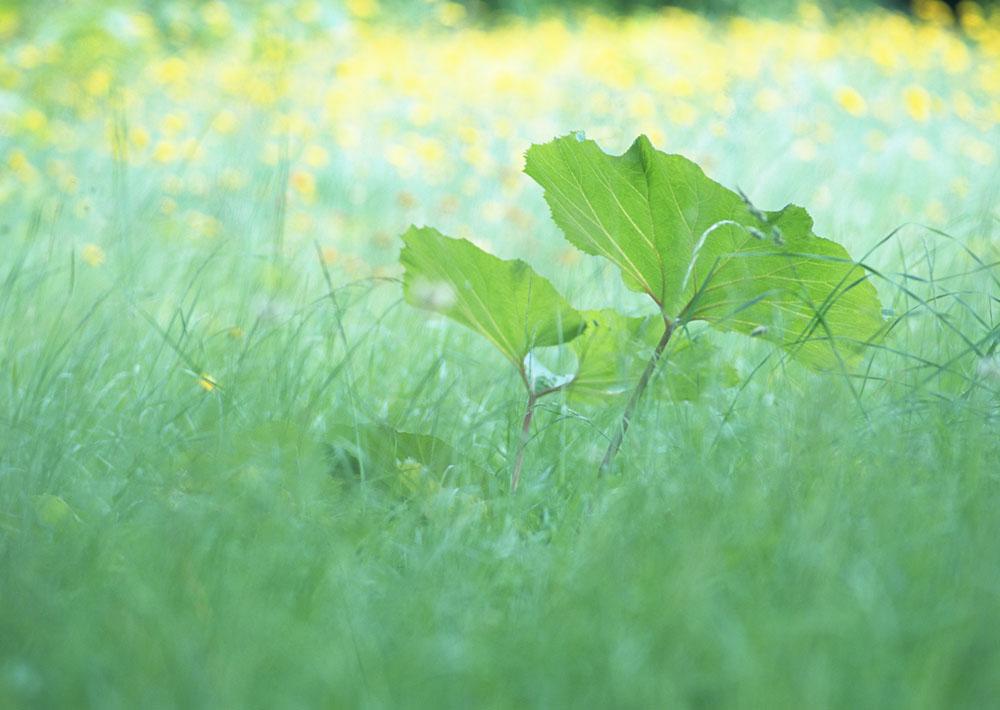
(53, 511)
(611, 354)
(401, 461)
(504, 301)
(703, 252)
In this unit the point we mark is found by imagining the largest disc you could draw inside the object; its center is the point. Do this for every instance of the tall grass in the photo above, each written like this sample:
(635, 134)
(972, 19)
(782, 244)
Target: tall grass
(175, 530)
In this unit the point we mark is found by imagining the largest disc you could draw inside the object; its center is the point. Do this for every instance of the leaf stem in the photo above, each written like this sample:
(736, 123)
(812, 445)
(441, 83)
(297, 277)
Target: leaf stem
(633, 401)
(529, 413)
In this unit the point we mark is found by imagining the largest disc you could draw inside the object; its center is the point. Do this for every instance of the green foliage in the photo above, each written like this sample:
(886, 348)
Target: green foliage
(610, 354)
(703, 252)
(504, 301)
(700, 251)
(402, 462)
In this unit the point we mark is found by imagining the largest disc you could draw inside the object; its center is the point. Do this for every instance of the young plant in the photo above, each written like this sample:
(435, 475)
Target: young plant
(504, 301)
(703, 252)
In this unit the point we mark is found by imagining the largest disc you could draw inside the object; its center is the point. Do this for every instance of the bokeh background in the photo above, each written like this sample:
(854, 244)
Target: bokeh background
(342, 123)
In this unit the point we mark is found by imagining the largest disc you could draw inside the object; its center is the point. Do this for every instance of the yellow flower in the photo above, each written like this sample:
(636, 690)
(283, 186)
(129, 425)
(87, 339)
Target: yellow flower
(174, 123)
(207, 382)
(935, 212)
(917, 102)
(98, 82)
(171, 71)
(9, 22)
(165, 152)
(34, 121)
(329, 255)
(216, 15)
(22, 167)
(138, 138)
(362, 9)
(92, 255)
(431, 151)
(225, 123)
(451, 13)
(851, 101)
(304, 183)
(315, 156)
(28, 56)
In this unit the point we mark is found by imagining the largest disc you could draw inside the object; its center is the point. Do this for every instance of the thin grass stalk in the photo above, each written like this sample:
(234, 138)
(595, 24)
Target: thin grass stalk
(529, 413)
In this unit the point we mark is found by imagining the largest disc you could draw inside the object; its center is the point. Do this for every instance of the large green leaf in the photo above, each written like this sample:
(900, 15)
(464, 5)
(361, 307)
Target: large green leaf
(702, 252)
(504, 301)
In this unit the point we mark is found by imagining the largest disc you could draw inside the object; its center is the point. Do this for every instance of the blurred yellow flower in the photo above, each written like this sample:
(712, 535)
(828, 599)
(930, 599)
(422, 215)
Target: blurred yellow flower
(362, 9)
(173, 124)
(28, 56)
(315, 156)
(304, 183)
(207, 382)
(933, 11)
(22, 167)
(935, 212)
(216, 15)
(172, 70)
(168, 206)
(329, 255)
(203, 225)
(92, 255)
(98, 82)
(138, 138)
(9, 22)
(165, 152)
(225, 122)
(917, 102)
(851, 101)
(34, 121)
(451, 13)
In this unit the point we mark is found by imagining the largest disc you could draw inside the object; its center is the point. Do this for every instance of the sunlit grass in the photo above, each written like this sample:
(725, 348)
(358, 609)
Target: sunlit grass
(197, 289)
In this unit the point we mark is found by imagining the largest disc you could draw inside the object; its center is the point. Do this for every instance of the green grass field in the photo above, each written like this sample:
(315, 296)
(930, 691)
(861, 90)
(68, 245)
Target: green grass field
(199, 298)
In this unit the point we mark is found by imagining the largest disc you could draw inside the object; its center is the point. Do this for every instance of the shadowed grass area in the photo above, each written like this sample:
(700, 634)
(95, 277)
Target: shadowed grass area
(164, 543)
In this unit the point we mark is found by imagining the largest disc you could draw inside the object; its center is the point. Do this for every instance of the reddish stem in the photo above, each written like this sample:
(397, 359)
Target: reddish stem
(529, 413)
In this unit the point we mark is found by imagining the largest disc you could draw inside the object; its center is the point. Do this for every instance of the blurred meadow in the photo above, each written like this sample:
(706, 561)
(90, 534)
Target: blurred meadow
(200, 205)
